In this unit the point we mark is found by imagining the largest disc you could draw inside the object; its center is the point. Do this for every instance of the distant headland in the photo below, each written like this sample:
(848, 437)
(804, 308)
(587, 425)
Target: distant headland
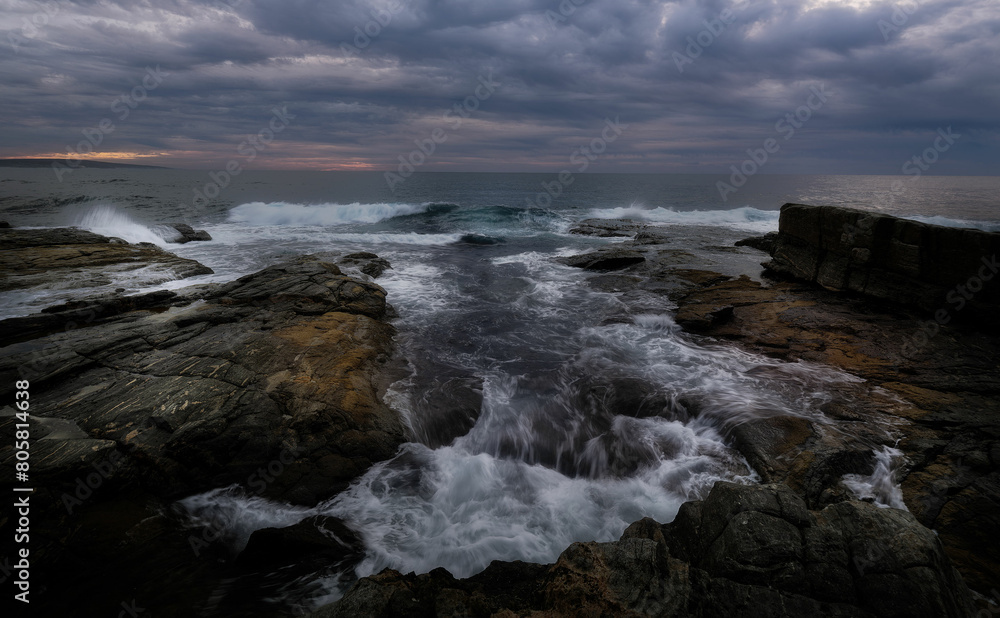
(75, 164)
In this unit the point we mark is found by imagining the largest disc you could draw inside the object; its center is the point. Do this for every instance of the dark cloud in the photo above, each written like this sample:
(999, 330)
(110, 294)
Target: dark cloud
(364, 79)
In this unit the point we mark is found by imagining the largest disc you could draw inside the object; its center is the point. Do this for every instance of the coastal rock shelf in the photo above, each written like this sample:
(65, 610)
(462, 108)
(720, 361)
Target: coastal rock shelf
(743, 551)
(936, 385)
(939, 269)
(271, 382)
(271, 387)
(198, 392)
(68, 258)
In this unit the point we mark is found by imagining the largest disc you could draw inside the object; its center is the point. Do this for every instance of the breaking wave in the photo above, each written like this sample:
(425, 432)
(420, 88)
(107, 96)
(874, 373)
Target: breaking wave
(284, 213)
(747, 217)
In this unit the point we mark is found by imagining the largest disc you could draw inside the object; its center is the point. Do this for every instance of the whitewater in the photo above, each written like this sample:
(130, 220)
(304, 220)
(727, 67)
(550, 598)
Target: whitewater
(595, 408)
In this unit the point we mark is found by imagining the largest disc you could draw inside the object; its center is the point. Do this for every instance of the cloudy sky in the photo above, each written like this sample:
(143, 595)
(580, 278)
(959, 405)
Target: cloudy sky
(694, 84)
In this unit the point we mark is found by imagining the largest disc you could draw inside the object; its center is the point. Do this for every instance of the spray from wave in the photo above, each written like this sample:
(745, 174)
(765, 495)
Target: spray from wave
(284, 213)
(109, 221)
(986, 226)
(746, 218)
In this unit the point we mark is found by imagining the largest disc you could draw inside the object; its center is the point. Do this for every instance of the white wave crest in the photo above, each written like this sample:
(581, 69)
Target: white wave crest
(746, 217)
(284, 213)
(109, 221)
(986, 226)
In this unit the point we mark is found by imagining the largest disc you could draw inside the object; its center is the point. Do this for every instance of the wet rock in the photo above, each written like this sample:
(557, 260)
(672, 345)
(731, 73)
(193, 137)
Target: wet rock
(449, 409)
(743, 551)
(944, 387)
(280, 366)
(188, 234)
(607, 228)
(366, 262)
(765, 243)
(612, 258)
(885, 257)
(4, 225)
(317, 540)
(68, 258)
(73, 314)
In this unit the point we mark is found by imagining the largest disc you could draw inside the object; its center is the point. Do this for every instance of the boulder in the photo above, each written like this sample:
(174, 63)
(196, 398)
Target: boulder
(765, 243)
(187, 233)
(607, 228)
(366, 263)
(318, 539)
(612, 258)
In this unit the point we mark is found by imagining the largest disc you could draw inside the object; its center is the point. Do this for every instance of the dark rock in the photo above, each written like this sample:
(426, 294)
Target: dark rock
(76, 259)
(278, 365)
(944, 386)
(318, 539)
(651, 236)
(605, 259)
(607, 228)
(885, 257)
(449, 409)
(481, 240)
(188, 234)
(4, 225)
(57, 317)
(765, 243)
(753, 551)
(365, 262)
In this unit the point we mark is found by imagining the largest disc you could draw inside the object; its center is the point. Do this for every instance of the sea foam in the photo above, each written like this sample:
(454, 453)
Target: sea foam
(747, 217)
(285, 213)
(109, 221)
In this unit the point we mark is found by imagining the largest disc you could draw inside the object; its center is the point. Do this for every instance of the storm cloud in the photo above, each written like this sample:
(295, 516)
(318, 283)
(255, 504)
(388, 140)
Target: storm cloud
(365, 82)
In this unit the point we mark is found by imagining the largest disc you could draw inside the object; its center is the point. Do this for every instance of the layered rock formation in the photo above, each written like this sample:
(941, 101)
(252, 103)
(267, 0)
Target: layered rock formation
(68, 258)
(743, 551)
(937, 385)
(939, 269)
(271, 382)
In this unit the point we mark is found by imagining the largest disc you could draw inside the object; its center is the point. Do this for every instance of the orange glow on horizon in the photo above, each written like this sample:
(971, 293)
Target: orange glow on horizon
(94, 155)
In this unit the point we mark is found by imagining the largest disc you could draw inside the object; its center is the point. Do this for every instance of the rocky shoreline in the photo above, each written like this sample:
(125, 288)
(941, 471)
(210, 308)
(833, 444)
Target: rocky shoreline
(273, 383)
(935, 397)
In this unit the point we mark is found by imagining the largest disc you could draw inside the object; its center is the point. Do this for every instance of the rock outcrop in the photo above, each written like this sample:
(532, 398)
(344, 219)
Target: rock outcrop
(270, 383)
(612, 258)
(68, 258)
(944, 270)
(186, 233)
(743, 551)
(196, 395)
(935, 385)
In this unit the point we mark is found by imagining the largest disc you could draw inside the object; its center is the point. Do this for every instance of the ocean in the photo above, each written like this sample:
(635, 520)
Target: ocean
(480, 300)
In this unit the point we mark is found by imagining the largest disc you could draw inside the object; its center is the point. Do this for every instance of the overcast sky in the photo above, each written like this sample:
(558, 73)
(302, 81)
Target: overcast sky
(891, 74)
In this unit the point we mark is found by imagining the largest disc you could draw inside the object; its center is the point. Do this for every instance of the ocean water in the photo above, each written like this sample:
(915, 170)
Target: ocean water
(597, 409)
